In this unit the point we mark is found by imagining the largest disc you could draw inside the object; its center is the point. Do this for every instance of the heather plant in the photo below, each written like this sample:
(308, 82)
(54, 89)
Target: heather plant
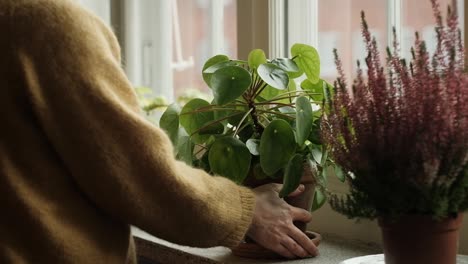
(401, 130)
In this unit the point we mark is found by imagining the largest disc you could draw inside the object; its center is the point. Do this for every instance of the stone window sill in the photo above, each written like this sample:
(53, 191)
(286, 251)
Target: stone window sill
(333, 250)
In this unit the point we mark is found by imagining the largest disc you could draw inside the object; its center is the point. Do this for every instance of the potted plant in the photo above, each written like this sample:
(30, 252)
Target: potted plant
(259, 127)
(401, 135)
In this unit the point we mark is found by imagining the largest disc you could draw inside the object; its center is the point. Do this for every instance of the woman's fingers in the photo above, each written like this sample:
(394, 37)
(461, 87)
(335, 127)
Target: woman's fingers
(272, 223)
(283, 251)
(303, 241)
(294, 247)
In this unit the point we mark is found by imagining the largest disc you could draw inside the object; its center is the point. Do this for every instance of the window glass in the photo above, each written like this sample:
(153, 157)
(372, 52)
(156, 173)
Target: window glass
(100, 8)
(166, 42)
(337, 25)
(419, 17)
(342, 31)
(200, 32)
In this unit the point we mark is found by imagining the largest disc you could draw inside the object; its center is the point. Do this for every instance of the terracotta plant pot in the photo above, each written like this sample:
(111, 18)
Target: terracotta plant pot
(420, 239)
(250, 249)
(305, 199)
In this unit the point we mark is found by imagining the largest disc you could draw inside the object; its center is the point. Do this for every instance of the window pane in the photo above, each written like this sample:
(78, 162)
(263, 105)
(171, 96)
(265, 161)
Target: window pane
(202, 29)
(99, 7)
(342, 31)
(419, 17)
(167, 42)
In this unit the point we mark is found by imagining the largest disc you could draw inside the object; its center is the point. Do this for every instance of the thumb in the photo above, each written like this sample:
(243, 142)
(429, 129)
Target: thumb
(298, 191)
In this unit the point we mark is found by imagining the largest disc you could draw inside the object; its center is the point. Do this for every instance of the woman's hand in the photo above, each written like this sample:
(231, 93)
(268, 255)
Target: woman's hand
(272, 225)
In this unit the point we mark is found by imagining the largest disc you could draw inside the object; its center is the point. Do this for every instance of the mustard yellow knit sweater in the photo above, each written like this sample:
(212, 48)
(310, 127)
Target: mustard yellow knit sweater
(78, 164)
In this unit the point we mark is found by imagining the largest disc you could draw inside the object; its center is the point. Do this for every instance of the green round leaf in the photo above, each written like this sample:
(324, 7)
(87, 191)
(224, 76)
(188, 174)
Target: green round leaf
(240, 62)
(314, 135)
(233, 116)
(220, 65)
(229, 157)
(292, 85)
(169, 122)
(229, 83)
(235, 120)
(294, 75)
(193, 121)
(210, 62)
(277, 145)
(308, 60)
(324, 156)
(288, 110)
(323, 176)
(286, 65)
(292, 175)
(316, 88)
(273, 76)
(246, 133)
(304, 119)
(256, 58)
(339, 173)
(269, 93)
(316, 154)
(319, 199)
(185, 150)
(220, 114)
(258, 172)
(213, 129)
(253, 146)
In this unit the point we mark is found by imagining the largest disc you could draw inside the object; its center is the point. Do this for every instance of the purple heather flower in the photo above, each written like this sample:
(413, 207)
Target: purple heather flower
(407, 120)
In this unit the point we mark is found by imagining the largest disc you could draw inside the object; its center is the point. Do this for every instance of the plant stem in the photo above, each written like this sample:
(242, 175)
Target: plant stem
(211, 110)
(266, 118)
(276, 113)
(242, 128)
(283, 95)
(212, 123)
(201, 146)
(276, 107)
(218, 106)
(259, 91)
(198, 152)
(242, 120)
(272, 103)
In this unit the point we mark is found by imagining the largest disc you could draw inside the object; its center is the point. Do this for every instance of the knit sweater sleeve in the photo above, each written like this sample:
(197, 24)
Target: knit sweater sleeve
(86, 108)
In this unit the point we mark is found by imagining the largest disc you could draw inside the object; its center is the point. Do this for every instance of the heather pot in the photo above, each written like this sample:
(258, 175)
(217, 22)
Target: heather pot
(420, 239)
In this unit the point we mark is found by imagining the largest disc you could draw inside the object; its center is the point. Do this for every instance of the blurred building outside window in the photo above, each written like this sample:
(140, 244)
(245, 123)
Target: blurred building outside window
(337, 24)
(166, 42)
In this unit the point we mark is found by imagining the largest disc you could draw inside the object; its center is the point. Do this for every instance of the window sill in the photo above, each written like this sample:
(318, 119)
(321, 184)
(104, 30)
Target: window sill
(333, 250)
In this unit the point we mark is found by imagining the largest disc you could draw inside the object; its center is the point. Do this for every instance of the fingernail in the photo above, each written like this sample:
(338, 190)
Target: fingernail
(301, 187)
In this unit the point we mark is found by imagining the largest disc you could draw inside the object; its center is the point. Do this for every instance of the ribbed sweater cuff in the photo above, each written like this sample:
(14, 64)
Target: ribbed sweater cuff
(247, 199)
